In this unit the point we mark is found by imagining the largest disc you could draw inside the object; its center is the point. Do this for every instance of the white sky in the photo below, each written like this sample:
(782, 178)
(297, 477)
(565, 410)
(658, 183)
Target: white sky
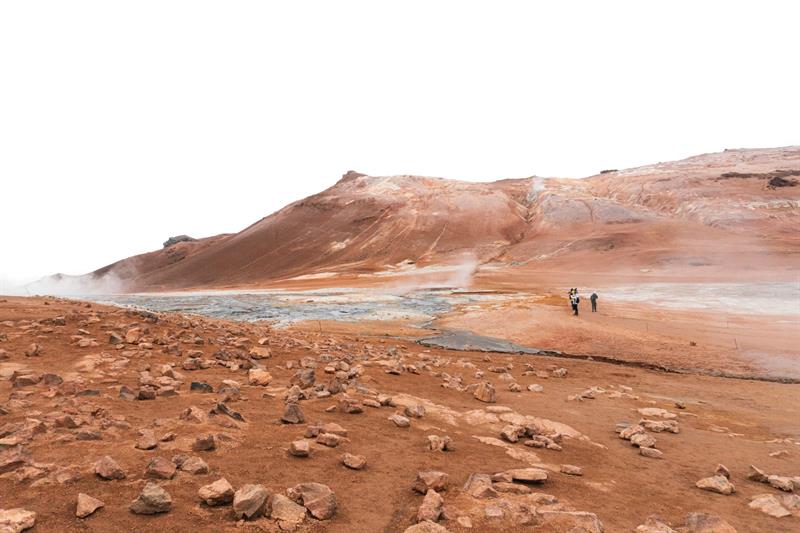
(122, 123)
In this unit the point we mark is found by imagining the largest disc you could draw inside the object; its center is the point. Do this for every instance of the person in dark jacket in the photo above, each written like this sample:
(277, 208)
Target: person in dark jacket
(574, 300)
(594, 298)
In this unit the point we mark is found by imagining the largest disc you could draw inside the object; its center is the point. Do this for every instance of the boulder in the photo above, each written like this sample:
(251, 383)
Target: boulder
(705, 523)
(300, 448)
(400, 421)
(258, 377)
(480, 486)
(218, 493)
(439, 444)
(528, 475)
(152, 500)
(194, 466)
(205, 443)
(769, 504)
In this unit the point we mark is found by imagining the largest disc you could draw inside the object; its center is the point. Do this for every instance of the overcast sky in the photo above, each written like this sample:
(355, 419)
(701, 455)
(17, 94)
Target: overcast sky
(122, 123)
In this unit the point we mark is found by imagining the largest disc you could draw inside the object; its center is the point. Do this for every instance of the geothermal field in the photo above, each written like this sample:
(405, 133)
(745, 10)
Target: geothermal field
(399, 354)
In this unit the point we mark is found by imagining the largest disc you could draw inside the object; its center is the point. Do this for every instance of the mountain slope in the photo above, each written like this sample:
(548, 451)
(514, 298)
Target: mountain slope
(702, 211)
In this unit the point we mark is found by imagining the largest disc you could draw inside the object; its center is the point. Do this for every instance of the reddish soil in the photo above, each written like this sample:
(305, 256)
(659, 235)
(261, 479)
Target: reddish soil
(735, 422)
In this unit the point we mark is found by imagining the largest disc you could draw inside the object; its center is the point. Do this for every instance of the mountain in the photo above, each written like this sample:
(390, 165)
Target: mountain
(728, 212)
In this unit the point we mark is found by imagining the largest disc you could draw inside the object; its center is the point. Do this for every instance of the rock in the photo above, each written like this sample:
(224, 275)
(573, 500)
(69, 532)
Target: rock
(87, 505)
(528, 475)
(643, 440)
(723, 471)
(480, 486)
(218, 493)
(781, 483)
(329, 439)
(194, 414)
(400, 421)
(654, 524)
(652, 453)
(160, 468)
(439, 444)
(107, 468)
(770, 505)
(258, 377)
(200, 387)
(133, 335)
(248, 501)
(756, 474)
(430, 480)
(152, 500)
(512, 432)
(535, 388)
(194, 466)
(205, 443)
(300, 448)
(356, 462)
(260, 352)
(16, 520)
(33, 350)
(705, 523)
(288, 514)
(147, 440)
(571, 470)
(115, 338)
(127, 394)
(513, 488)
(414, 411)
(656, 412)
(178, 238)
(426, 527)
(293, 414)
(431, 508)
(350, 406)
(319, 499)
(718, 484)
(13, 458)
(485, 392)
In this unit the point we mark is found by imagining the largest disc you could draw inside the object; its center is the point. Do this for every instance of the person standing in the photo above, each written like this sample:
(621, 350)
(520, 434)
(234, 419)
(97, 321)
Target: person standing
(594, 298)
(574, 300)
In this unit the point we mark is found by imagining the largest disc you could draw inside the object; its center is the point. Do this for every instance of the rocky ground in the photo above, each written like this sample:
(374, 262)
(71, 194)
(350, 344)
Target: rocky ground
(114, 419)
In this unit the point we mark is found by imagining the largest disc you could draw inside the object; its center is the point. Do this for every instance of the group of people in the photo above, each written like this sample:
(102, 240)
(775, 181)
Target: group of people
(574, 300)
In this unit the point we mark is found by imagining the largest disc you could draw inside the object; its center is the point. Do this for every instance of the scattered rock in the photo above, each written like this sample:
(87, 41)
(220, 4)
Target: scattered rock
(718, 484)
(430, 480)
(107, 468)
(16, 520)
(438, 443)
(293, 414)
(356, 462)
(205, 443)
(654, 524)
(194, 466)
(160, 468)
(400, 421)
(218, 493)
(571, 470)
(705, 523)
(480, 486)
(319, 499)
(769, 504)
(485, 392)
(300, 448)
(288, 514)
(431, 508)
(87, 505)
(152, 500)
(248, 501)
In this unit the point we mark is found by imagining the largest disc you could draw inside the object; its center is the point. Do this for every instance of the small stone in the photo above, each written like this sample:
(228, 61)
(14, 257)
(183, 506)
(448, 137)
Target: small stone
(571, 470)
(329, 439)
(770, 505)
(705, 523)
(87, 505)
(356, 462)
(147, 440)
(723, 471)
(107, 468)
(300, 448)
(430, 480)
(781, 483)
(439, 444)
(194, 466)
(415, 411)
(480, 486)
(400, 421)
(643, 440)
(718, 484)
(248, 501)
(756, 474)
(152, 500)
(204, 443)
(652, 453)
(160, 468)
(218, 493)
(485, 392)
(528, 475)
(426, 527)
(258, 377)
(654, 524)
(293, 414)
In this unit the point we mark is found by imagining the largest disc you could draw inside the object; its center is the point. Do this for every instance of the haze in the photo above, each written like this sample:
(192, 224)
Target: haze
(121, 125)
